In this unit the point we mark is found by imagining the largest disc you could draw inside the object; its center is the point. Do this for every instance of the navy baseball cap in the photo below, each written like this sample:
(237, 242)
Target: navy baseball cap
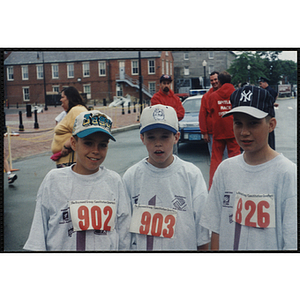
(263, 79)
(253, 101)
(165, 78)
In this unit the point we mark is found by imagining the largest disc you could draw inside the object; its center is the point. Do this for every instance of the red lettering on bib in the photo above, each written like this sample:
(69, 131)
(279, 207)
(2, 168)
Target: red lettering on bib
(153, 220)
(254, 210)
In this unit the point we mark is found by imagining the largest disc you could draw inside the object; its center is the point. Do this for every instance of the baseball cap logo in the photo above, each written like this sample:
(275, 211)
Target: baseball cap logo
(246, 97)
(158, 114)
(96, 120)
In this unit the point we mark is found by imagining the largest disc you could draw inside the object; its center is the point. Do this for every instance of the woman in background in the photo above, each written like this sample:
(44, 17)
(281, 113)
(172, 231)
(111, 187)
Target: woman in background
(73, 104)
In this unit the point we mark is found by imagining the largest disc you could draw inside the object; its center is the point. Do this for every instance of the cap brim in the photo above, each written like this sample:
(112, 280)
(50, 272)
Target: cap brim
(249, 110)
(155, 126)
(89, 131)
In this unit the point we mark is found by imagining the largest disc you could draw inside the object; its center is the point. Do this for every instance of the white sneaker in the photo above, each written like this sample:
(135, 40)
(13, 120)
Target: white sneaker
(12, 177)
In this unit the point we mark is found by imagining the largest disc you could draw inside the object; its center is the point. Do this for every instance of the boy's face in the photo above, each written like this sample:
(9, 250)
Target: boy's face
(159, 143)
(252, 134)
(90, 152)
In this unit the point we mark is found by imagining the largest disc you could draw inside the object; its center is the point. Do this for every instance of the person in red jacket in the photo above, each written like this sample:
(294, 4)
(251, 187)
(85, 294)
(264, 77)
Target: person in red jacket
(205, 120)
(166, 96)
(222, 127)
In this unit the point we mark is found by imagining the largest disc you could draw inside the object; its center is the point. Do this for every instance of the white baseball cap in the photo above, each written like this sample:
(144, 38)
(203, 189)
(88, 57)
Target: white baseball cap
(159, 116)
(92, 121)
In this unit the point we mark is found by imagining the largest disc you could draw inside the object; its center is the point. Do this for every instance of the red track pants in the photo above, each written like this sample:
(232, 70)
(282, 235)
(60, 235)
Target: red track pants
(218, 148)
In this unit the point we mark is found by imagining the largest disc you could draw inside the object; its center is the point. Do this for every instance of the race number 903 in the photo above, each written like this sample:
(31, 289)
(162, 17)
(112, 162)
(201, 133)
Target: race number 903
(152, 220)
(156, 223)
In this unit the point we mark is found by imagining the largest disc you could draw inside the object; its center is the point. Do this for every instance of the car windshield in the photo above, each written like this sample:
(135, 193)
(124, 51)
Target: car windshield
(191, 105)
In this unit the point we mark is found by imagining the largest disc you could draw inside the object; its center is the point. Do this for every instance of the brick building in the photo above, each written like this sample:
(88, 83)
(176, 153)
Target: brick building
(98, 74)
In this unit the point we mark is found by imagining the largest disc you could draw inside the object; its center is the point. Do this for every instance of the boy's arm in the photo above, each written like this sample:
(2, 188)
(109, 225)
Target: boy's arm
(214, 241)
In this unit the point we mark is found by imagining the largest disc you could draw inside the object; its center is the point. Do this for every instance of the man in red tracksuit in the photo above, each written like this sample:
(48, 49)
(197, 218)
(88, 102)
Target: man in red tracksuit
(222, 127)
(166, 96)
(205, 120)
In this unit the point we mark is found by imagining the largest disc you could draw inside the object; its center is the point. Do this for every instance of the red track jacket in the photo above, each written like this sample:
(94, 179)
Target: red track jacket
(220, 104)
(205, 120)
(170, 100)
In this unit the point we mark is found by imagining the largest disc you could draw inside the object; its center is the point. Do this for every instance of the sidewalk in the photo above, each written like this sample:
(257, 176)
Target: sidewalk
(35, 141)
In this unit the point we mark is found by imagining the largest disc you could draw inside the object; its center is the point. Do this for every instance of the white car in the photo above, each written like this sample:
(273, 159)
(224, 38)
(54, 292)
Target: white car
(39, 108)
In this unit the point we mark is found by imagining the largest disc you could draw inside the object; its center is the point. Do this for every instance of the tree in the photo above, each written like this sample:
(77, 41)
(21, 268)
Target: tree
(247, 67)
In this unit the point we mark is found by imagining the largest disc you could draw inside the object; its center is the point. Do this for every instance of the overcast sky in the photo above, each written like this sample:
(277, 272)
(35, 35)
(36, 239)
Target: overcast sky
(288, 55)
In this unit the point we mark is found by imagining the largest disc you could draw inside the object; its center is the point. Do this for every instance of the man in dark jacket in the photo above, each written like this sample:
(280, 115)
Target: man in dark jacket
(264, 83)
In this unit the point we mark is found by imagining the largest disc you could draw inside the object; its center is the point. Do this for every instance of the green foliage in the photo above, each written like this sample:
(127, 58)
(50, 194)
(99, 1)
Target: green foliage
(262, 63)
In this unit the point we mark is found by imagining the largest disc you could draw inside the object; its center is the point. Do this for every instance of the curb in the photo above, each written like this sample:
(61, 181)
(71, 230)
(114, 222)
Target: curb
(125, 128)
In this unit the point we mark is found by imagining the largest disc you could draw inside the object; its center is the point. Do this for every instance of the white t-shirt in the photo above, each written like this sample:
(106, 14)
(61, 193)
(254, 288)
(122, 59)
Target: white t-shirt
(253, 207)
(181, 187)
(52, 228)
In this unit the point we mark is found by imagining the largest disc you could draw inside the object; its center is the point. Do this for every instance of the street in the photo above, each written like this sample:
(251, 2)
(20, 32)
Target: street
(19, 198)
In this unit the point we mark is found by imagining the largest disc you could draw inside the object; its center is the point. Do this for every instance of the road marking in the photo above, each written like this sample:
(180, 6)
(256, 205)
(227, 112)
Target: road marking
(289, 107)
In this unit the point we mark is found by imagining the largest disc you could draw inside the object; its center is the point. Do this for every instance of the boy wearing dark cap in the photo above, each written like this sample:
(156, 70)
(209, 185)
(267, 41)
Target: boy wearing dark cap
(264, 84)
(167, 194)
(252, 204)
(83, 207)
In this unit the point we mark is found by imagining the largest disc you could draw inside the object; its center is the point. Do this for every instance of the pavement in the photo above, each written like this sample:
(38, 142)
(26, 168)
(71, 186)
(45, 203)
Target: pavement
(33, 141)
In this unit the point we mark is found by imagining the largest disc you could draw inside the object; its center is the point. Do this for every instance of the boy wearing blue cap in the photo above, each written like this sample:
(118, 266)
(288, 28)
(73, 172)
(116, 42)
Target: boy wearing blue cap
(167, 194)
(252, 204)
(83, 207)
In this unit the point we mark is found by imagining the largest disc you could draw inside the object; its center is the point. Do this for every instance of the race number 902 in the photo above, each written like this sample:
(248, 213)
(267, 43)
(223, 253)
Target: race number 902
(93, 215)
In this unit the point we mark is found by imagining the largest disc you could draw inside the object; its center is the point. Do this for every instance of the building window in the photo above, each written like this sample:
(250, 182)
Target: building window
(210, 55)
(86, 69)
(167, 53)
(185, 56)
(55, 88)
(134, 67)
(119, 89)
(102, 68)
(163, 66)
(167, 67)
(152, 89)
(151, 66)
(55, 71)
(25, 73)
(171, 68)
(26, 94)
(39, 72)
(210, 69)
(10, 73)
(70, 70)
(87, 90)
(186, 71)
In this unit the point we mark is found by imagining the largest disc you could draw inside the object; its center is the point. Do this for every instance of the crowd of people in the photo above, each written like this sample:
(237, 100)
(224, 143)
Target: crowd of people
(162, 203)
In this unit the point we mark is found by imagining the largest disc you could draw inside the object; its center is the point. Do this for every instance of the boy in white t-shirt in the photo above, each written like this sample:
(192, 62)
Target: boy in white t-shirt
(83, 207)
(252, 204)
(167, 194)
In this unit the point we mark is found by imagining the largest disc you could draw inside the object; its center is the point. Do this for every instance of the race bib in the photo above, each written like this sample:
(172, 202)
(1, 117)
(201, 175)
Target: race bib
(254, 210)
(153, 220)
(93, 215)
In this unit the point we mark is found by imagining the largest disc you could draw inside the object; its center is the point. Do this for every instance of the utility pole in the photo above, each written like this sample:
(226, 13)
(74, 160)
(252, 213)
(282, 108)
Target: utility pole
(141, 83)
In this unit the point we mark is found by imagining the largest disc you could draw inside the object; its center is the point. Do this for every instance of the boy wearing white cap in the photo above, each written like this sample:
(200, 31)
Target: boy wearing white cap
(252, 204)
(167, 194)
(83, 207)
